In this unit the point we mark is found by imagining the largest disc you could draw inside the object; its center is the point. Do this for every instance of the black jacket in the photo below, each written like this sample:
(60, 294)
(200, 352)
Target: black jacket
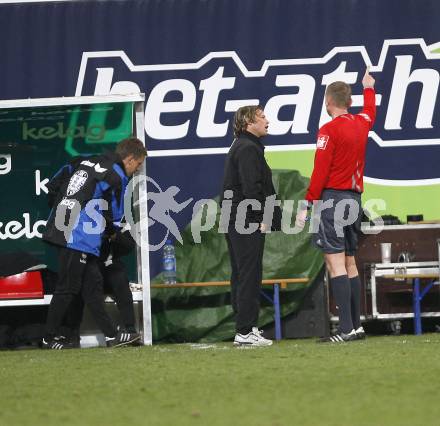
(248, 175)
(121, 244)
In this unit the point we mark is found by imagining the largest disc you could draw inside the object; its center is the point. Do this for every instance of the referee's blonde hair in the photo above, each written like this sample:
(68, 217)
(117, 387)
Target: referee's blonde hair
(340, 93)
(244, 116)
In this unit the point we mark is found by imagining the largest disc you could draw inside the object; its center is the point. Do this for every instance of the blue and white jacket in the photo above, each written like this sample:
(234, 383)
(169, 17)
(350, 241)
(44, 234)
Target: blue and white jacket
(87, 199)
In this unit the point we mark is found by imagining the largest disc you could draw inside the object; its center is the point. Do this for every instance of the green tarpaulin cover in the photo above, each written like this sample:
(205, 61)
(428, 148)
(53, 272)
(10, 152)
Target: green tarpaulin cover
(204, 314)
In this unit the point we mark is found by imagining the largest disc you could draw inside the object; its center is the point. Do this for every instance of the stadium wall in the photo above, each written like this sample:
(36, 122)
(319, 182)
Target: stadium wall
(197, 61)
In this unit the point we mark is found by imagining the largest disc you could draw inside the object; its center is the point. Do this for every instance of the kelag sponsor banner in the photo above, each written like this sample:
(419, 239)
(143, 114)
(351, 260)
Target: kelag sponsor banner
(198, 61)
(34, 143)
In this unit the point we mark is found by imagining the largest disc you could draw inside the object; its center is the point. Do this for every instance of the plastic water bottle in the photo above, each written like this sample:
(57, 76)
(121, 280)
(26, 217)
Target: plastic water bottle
(169, 263)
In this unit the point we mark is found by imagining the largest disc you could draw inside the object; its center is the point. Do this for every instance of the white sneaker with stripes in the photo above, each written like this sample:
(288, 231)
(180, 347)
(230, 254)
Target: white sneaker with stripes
(122, 339)
(253, 338)
(340, 338)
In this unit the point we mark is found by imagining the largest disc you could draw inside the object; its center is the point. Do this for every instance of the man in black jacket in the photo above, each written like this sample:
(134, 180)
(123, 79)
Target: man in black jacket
(248, 184)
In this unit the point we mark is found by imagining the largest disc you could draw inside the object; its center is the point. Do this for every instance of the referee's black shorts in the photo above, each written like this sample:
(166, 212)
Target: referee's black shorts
(336, 229)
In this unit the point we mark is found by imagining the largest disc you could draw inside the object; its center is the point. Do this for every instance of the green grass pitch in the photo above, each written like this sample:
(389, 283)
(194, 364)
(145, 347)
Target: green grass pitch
(381, 381)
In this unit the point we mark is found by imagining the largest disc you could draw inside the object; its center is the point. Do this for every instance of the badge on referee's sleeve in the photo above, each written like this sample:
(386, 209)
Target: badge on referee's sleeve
(321, 143)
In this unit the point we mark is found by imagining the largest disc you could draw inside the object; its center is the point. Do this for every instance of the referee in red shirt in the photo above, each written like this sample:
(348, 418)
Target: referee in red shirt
(335, 190)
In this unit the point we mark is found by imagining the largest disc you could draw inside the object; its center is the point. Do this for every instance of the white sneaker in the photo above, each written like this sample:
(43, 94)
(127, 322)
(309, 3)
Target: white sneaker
(254, 338)
(360, 333)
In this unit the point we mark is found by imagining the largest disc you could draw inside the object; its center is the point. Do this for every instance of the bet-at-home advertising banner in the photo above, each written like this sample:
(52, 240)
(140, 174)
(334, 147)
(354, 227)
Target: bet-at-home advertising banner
(197, 62)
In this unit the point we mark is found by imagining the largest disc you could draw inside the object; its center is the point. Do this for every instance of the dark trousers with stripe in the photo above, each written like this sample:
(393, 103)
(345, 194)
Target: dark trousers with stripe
(117, 284)
(246, 256)
(78, 273)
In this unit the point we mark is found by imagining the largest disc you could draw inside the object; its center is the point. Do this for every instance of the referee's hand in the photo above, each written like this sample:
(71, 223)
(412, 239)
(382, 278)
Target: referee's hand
(301, 218)
(368, 81)
(263, 227)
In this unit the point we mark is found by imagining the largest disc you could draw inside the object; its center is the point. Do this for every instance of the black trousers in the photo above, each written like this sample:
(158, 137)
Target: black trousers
(116, 282)
(78, 273)
(246, 255)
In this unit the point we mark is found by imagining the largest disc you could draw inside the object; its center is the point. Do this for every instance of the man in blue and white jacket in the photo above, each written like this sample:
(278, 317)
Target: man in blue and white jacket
(87, 198)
